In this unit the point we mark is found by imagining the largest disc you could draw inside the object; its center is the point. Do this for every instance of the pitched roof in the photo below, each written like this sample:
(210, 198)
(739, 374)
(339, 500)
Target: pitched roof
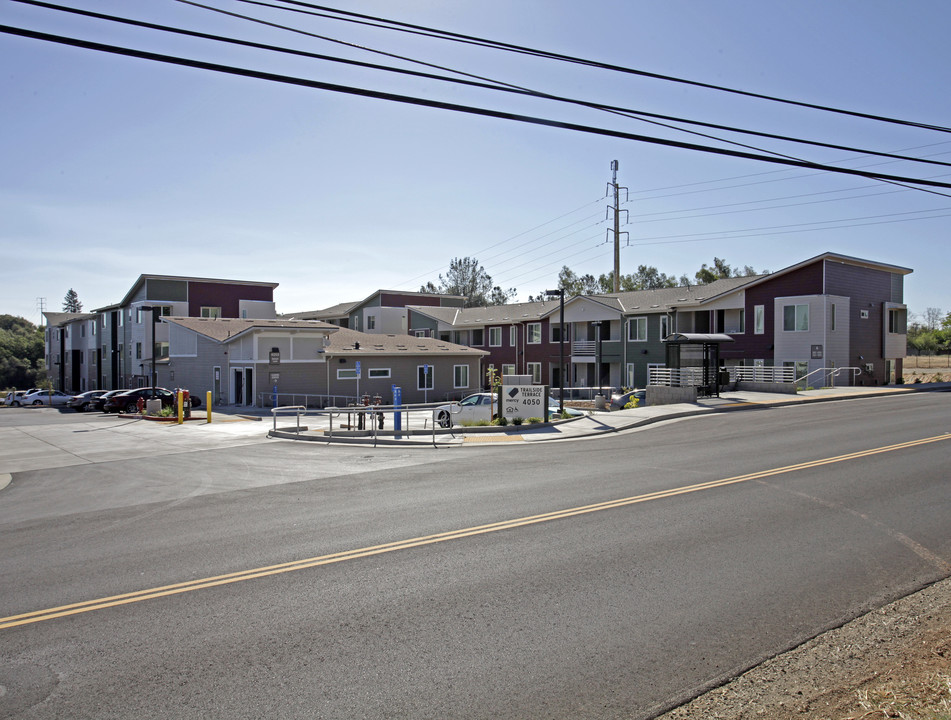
(488, 314)
(222, 329)
(55, 319)
(662, 299)
(334, 311)
(344, 342)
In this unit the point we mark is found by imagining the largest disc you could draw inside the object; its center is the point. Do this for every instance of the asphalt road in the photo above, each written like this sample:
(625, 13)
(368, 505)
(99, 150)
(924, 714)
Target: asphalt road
(602, 578)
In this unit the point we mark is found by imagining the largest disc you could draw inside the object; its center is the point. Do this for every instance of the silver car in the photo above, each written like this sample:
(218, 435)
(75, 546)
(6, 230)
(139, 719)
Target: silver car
(45, 397)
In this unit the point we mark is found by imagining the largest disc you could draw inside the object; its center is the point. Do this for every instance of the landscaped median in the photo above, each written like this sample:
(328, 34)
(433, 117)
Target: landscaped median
(419, 436)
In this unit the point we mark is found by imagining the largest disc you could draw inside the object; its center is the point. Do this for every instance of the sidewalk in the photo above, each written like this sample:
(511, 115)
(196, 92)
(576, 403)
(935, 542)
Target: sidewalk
(596, 423)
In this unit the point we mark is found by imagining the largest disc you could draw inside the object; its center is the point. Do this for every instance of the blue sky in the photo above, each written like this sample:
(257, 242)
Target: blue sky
(111, 167)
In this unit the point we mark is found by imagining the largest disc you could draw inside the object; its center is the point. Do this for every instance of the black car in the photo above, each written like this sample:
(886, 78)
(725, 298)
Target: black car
(99, 402)
(128, 401)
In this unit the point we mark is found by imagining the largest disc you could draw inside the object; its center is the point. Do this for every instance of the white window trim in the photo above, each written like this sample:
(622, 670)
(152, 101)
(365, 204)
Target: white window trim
(378, 373)
(347, 374)
(431, 376)
(759, 319)
(536, 377)
(513, 336)
(508, 365)
(533, 330)
(634, 322)
(796, 317)
(495, 336)
(455, 384)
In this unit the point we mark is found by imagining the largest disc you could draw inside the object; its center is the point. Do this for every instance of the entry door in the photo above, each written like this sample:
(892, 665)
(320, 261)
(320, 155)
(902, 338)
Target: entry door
(238, 395)
(249, 386)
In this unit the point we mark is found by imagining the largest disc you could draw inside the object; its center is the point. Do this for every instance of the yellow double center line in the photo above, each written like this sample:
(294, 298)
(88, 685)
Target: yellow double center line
(209, 582)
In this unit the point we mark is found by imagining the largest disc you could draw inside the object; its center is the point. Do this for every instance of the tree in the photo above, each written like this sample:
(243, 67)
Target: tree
(706, 275)
(571, 284)
(71, 302)
(21, 353)
(468, 278)
(932, 318)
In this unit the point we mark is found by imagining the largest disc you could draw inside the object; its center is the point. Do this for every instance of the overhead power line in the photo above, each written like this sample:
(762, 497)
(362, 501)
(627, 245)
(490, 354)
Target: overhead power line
(477, 81)
(423, 102)
(433, 32)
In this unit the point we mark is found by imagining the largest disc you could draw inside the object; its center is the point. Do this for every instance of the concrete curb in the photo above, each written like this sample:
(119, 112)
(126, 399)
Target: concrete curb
(458, 437)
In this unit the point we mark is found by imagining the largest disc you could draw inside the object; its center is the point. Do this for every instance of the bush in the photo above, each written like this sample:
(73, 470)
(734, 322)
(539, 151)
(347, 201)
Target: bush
(517, 421)
(534, 420)
(632, 403)
(503, 421)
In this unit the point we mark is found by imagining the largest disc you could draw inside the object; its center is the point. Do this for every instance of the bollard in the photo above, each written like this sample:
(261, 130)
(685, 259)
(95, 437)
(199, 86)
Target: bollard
(208, 404)
(178, 402)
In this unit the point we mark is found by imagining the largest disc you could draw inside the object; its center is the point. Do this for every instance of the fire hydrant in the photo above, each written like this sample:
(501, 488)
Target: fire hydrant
(140, 404)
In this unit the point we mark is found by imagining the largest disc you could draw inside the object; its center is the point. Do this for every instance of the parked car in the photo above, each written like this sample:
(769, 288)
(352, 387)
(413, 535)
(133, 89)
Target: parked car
(45, 397)
(619, 400)
(13, 397)
(128, 400)
(570, 411)
(85, 401)
(99, 402)
(480, 406)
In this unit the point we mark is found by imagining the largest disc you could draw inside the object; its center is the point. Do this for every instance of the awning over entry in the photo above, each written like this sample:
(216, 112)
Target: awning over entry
(698, 338)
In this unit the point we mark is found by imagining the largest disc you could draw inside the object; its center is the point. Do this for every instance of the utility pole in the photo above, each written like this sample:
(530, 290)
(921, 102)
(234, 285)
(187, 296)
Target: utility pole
(41, 306)
(613, 186)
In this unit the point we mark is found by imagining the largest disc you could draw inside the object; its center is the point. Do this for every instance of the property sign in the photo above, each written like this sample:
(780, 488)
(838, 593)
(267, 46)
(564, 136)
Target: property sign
(524, 401)
(817, 352)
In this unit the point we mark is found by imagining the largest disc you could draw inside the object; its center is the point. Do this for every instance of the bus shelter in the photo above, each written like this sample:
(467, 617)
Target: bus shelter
(697, 356)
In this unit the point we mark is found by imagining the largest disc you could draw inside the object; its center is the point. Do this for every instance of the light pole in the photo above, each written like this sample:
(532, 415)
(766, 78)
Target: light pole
(561, 348)
(152, 309)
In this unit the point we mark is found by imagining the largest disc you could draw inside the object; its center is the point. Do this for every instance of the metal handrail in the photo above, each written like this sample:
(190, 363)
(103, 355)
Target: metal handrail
(296, 408)
(833, 372)
(456, 411)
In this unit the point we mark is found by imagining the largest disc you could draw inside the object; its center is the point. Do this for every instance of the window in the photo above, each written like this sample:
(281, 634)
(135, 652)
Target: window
(161, 350)
(742, 320)
(534, 333)
(795, 318)
(460, 376)
(424, 377)
(495, 337)
(82, 330)
(347, 374)
(211, 312)
(759, 319)
(421, 333)
(832, 318)
(554, 333)
(92, 328)
(379, 373)
(371, 322)
(896, 321)
(664, 328)
(138, 351)
(637, 329)
(535, 370)
(513, 336)
(508, 369)
(477, 337)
